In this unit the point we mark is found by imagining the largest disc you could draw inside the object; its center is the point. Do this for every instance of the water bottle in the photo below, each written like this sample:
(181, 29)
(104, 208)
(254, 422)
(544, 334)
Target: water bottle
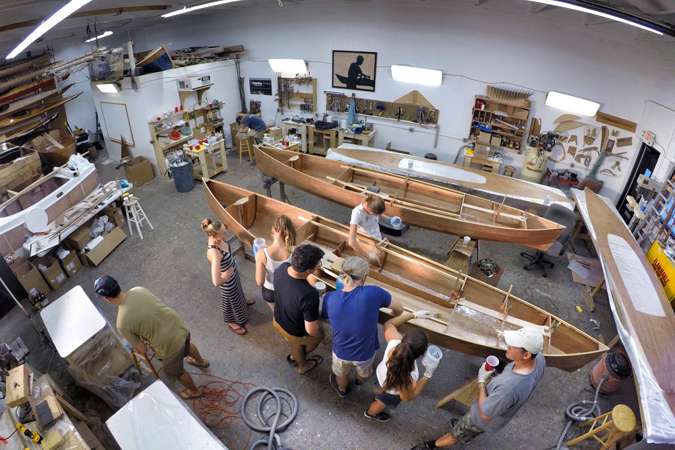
(258, 243)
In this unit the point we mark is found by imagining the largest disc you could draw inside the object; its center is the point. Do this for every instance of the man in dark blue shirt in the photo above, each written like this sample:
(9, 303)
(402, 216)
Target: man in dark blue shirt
(353, 313)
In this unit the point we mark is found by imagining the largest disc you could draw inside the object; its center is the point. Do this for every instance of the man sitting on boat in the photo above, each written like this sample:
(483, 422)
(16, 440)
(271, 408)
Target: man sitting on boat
(366, 219)
(253, 125)
(499, 401)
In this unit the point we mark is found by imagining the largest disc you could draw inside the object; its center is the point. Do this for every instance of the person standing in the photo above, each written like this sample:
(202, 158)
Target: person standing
(397, 373)
(366, 219)
(353, 313)
(500, 400)
(296, 307)
(224, 275)
(268, 259)
(143, 320)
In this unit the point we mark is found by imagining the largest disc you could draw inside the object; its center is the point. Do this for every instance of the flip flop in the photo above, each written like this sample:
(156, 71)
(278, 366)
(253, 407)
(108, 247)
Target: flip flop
(183, 394)
(190, 360)
(291, 361)
(317, 360)
(240, 330)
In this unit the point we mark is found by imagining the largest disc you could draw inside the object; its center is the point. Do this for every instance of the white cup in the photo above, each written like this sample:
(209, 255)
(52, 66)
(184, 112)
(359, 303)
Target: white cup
(467, 239)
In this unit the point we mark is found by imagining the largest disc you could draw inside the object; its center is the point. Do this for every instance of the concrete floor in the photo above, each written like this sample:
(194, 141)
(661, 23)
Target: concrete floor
(171, 262)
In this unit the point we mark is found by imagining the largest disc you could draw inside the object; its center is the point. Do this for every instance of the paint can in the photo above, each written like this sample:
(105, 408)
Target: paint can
(615, 364)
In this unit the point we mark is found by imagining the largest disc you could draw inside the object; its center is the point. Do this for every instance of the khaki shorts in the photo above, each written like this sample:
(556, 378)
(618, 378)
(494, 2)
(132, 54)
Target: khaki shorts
(307, 341)
(173, 366)
(341, 367)
(465, 430)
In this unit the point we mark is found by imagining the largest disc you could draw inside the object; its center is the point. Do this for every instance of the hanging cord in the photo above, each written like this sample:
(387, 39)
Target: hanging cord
(285, 405)
(581, 411)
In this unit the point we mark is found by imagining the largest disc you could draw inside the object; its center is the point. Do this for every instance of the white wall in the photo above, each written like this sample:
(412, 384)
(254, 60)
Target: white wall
(158, 93)
(661, 120)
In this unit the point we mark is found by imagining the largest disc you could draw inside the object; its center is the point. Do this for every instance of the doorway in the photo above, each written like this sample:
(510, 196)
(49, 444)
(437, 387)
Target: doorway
(646, 160)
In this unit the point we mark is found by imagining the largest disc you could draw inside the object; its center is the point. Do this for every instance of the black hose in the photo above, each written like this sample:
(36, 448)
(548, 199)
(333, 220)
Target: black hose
(581, 411)
(263, 424)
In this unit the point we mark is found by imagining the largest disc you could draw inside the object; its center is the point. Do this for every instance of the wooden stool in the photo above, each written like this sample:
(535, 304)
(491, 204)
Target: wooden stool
(608, 428)
(465, 395)
(245, 145)
(135, 214)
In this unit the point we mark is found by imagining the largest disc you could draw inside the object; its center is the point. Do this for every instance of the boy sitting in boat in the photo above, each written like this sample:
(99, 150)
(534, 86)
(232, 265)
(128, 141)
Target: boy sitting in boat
(366, 219)
(499, 401)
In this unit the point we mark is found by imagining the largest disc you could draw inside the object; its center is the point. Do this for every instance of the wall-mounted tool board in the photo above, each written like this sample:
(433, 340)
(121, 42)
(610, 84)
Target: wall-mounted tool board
(409, 112)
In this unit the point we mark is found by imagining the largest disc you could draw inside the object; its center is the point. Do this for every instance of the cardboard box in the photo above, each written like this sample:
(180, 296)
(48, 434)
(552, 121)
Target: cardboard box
(496, 141)
(139, 171)
(116, 215)
(50, 268)
(483, 138)
(71, 263)
(29, 277)
(78, 239)
(110, 241)
(17, 390)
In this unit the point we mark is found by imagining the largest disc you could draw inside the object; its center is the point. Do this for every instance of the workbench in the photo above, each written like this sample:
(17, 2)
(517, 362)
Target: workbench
(97, 358)
(301, 128)
(485, 164)
(330, 135)
(212, 160)
(366, 138)
(157, 420)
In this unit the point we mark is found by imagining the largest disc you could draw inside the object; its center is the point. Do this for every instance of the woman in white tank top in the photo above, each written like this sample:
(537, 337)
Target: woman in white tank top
(269, 258)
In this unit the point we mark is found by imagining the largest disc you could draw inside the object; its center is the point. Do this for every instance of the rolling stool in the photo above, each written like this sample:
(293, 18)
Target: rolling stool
(607, 428)
(245, 145)
(135, 214)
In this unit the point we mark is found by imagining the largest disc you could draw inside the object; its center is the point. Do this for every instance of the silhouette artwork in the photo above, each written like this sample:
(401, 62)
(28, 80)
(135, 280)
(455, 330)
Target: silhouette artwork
(354, 70)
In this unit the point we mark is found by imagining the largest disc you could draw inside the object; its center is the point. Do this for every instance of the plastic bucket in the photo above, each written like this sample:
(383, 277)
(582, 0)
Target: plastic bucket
(258, 243)
(616, 366)
(432, 356)
(182, 177)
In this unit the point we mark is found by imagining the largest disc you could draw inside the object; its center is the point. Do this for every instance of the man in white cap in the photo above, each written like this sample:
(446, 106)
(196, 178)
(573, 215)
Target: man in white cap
(500, 400)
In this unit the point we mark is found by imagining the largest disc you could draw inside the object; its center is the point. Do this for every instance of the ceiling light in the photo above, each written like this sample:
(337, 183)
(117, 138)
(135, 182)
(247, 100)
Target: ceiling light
(107, 88)
(68, 9)
(100, 36)
(290, 67)
(564, 4)
(188, 9)
(572, 104)
(417, 75)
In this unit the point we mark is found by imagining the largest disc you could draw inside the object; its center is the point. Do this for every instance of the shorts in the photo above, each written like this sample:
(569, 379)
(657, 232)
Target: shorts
(341, 367)
(268, 295)
(173, 366)
(389, 400)
(465, 430)
(308, 341)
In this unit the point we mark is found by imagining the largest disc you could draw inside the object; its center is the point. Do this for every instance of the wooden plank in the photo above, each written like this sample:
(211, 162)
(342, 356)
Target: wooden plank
(499, 316)
(615, 121)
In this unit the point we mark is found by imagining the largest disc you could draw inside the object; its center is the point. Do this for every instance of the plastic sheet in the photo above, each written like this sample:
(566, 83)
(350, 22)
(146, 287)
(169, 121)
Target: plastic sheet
(657, 418)
(157, 420)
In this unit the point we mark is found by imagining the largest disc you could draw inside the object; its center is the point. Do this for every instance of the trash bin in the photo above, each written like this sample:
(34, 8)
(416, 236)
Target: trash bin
(182, 177)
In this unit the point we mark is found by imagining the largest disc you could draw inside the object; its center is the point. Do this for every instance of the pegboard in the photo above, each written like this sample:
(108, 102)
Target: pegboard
(409, 112)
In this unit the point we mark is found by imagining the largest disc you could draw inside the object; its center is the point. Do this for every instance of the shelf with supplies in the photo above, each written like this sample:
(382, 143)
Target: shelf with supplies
(297, 94)
(500, 118)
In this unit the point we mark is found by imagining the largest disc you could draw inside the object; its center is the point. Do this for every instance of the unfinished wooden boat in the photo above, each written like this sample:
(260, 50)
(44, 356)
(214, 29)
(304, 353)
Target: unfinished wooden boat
(26, 89)
(10, 122)
(19, 167)
(44, 201)
(415, 202)
(470, 313)
(25, 65)
(28, 127)
(26, 102)
(644, 317)
(520, 191)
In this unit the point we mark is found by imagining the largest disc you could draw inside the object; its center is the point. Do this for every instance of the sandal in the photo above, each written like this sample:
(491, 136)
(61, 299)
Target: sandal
(238, 330)
(250, 303)
(193, 362)
(317, 360)
(291, 361)
(185, 396)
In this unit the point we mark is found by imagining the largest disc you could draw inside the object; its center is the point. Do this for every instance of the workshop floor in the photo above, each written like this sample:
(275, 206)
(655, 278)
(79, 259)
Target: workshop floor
(171, 262)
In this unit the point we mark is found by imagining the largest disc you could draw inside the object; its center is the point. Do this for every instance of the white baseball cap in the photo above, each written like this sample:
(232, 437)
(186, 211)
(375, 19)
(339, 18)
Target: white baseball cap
(529, 338)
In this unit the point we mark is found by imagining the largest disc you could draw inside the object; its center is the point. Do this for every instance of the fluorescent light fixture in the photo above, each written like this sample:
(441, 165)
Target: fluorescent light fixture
(189, 9)
(107, 88)
(68, 9)
(289, 66)
(572, 104)
(100, 36)
(417, 75)
(574, 7)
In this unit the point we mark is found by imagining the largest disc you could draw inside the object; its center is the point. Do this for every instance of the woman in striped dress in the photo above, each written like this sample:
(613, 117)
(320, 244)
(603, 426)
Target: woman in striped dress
(224, 274)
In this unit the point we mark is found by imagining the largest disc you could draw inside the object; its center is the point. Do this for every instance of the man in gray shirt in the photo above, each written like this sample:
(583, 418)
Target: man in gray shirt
(500, 400)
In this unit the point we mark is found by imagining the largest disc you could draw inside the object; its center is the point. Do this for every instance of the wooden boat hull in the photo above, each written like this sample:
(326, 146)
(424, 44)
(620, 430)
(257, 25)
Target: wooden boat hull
(417, 282)
(9, 124)
(415, 202)
(26, 65)
(31, 126)
(25, 90)
(519, 191)
(24, 103)
(640, 304)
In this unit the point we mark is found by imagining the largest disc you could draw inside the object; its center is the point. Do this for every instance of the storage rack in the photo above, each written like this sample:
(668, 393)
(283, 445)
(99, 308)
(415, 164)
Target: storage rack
(507, 121)
(296, 94)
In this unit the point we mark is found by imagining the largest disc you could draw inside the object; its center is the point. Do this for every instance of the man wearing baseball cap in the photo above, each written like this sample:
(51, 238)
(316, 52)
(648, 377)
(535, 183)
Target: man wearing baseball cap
(144, 320)
(500, 400)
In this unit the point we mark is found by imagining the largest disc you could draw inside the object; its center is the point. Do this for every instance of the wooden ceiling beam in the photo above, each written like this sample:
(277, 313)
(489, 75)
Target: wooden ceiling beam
(92, 13)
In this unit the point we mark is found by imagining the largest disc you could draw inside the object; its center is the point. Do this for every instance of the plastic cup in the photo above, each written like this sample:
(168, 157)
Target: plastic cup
(258, 243)
(491, 362)
(467, 239)
(432, 356)
(320, 286)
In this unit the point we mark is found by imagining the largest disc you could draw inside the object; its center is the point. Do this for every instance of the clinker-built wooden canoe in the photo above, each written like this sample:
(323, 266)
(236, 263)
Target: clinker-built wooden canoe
(515, 190)
(415, 202)
(470, 313)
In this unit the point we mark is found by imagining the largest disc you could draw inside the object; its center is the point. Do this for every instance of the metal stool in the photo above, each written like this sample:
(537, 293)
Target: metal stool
(607, 428)
(135, 214)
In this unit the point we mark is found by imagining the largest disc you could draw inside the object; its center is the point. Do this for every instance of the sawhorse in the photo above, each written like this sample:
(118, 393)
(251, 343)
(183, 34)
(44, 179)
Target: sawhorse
(268, 182)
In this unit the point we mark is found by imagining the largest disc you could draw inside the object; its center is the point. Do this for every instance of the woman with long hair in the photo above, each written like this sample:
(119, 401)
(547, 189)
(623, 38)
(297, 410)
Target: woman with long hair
(269, 258)
(224, 275)
(397, 373)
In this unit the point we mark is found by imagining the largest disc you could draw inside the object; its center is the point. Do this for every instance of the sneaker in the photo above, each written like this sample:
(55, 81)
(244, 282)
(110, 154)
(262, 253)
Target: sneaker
(382, 417)
(333, 383)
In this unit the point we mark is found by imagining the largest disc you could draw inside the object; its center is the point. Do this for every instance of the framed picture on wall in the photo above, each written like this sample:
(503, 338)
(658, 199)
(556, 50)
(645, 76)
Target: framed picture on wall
(354, 70)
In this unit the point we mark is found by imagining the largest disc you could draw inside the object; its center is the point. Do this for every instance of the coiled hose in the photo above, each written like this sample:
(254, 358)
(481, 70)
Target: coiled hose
(282, 398)
(581, 411)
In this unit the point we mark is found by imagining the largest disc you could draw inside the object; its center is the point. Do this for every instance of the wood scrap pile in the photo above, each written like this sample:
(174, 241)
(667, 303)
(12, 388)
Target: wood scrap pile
(200, 55)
